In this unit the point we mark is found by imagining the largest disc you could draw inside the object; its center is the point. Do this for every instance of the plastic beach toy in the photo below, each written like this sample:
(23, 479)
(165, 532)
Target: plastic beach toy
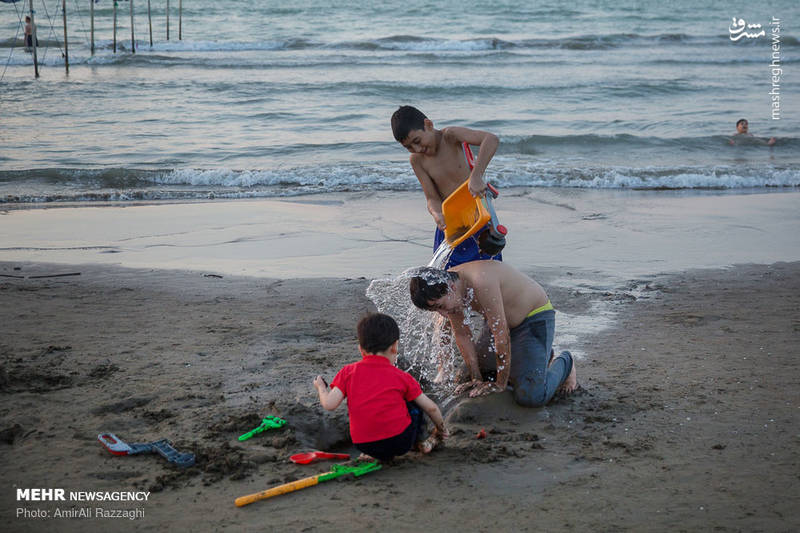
(117, 446)
(465, 215)
(336, 471)
(493, 239)
(310, 457)
(271, 422)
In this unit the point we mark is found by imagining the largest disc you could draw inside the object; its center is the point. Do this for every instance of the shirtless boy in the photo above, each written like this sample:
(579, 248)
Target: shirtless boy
(520, 317)
(440, 165)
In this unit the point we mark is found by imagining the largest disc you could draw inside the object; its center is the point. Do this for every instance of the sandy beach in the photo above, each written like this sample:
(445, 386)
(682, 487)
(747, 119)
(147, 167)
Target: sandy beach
(199, 201)
(194, 322)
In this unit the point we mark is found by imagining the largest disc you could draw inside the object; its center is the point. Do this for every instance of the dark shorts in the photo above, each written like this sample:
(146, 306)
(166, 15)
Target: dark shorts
(386, 449)
(466, 251)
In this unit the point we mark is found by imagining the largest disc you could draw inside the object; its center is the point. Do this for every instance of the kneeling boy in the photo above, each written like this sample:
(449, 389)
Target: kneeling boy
(383, 401)
(520, 317)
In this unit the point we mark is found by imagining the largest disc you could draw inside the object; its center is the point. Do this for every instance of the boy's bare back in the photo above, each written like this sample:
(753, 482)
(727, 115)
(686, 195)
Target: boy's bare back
(518, 293)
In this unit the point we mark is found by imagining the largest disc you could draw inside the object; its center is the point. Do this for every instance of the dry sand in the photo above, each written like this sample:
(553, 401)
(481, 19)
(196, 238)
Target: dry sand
(689, 420)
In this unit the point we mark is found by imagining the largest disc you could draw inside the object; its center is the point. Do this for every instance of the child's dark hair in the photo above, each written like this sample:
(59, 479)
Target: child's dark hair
(406, 119)
(428, 284)
(740, 121)
(377, 332)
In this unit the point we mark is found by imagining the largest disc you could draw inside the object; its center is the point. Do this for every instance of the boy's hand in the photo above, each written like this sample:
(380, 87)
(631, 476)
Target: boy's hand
(320, 383)
(464, 387)
(485, 389)
(477, 187)
(439, 219)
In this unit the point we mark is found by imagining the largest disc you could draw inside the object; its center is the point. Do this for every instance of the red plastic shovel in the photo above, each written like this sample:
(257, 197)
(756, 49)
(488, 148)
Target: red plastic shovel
(310, 457)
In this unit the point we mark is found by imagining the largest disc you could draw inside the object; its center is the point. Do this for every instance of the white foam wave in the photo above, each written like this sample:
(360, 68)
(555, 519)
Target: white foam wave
(216, 46)
(648, 178)
(441, 45)
(331, 177)
(620, 180)
(80, 185)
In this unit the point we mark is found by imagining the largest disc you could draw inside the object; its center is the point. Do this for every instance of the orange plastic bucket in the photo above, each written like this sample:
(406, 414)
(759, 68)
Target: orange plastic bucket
(463, 214)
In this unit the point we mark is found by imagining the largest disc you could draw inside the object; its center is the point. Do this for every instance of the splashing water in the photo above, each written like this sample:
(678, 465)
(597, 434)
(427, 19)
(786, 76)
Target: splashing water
(427, 344)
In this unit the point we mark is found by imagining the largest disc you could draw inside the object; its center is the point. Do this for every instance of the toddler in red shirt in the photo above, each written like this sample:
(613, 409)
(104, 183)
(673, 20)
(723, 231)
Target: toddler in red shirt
(383, 401)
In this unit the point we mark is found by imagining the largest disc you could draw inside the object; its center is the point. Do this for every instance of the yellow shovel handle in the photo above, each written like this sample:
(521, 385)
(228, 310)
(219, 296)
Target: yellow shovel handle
(277, 491)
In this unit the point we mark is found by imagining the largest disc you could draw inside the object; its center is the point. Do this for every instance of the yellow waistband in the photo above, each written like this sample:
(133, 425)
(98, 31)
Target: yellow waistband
(546, 307)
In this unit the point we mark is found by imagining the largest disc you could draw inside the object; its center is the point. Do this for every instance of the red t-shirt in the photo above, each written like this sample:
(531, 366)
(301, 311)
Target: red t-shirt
(376, 392)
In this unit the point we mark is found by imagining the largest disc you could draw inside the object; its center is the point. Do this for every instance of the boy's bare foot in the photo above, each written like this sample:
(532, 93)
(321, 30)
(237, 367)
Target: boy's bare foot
(571, 383)
(366, 458)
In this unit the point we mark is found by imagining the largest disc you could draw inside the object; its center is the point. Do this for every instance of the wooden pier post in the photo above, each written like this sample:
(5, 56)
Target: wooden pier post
(133, 39)
(115, 26)
(33, 42)
(66, 46)
(180, 19)
(168, 20)
(150, 23)
(91, 10)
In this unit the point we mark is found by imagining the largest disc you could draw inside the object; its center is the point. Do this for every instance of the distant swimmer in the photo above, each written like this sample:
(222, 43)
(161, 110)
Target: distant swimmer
(742, 136)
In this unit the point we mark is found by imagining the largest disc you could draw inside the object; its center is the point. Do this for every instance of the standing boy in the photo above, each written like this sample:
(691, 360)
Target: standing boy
(29, 31)
(441, 166)
(520, 317)
(383, 401)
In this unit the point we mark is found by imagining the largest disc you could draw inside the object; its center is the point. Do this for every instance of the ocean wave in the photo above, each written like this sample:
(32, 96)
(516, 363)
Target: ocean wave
(689, 49)
(109, 185)
(392, 177)
(536, 144)
(710, 60)
(411, 43)
(657, 178)
(408, 42)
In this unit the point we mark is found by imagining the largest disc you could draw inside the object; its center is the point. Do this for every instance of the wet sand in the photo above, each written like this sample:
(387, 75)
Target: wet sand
(688, 421)
(194, 321)
(611, 234)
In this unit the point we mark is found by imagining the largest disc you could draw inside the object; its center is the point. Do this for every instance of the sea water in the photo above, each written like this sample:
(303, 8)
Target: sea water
(264, 99)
